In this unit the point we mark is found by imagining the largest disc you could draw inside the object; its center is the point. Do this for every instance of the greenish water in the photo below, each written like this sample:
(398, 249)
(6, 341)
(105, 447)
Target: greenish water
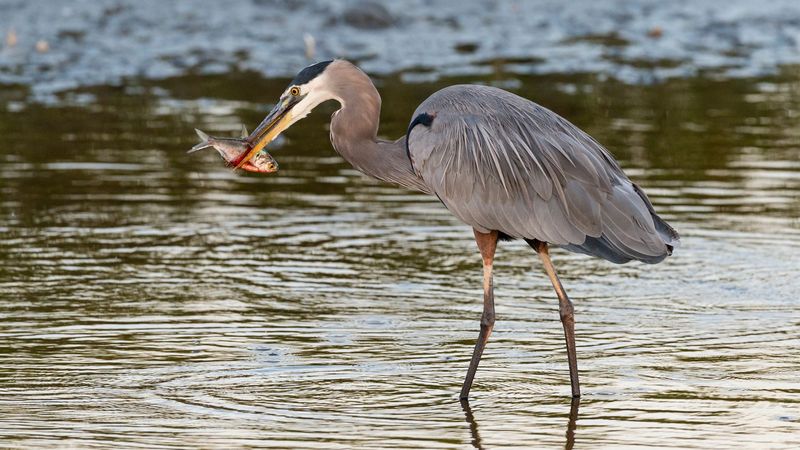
(153, 299)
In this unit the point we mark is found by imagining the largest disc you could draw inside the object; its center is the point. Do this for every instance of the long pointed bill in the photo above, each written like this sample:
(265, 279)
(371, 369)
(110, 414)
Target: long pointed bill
(276, 121)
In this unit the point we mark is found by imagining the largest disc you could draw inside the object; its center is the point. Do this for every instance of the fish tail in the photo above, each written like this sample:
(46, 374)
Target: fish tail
(204, 138)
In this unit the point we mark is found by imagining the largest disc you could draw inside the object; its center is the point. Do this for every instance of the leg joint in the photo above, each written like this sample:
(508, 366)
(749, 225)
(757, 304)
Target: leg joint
(566, 311)
(487, 319)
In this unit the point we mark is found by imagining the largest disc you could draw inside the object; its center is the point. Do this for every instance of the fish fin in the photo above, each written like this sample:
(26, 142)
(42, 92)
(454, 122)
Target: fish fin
(203, 144)
(200, 146)
(244, 131)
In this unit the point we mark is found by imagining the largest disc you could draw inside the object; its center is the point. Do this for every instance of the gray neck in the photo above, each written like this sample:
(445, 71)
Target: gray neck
(354, 130)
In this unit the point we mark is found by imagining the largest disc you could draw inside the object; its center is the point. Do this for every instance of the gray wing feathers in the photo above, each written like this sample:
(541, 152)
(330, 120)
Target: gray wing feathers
(501, 162)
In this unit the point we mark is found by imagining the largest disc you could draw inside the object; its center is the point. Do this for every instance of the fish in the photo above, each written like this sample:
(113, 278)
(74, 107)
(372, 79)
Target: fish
(232, 150)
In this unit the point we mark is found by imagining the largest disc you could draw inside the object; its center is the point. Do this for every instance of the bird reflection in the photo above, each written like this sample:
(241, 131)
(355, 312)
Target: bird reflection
(476, 437)
(571, 423)
(473, 425)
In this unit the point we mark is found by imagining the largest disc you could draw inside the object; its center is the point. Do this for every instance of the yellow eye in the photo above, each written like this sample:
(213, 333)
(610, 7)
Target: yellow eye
(295, 91)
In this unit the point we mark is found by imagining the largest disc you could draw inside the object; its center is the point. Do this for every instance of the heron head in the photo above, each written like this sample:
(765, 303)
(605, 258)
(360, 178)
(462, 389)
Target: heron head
(307, 90)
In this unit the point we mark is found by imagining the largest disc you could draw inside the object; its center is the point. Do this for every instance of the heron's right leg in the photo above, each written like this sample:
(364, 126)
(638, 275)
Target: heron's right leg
(487, 244)
(565, 310)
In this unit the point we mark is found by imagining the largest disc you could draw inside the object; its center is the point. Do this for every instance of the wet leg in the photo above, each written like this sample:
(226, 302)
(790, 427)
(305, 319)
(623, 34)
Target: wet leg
(487, 244)
(565, 310)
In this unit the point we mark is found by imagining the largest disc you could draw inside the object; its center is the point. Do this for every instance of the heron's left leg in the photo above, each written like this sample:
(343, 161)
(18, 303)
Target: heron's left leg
(566, 311)
(487, 244)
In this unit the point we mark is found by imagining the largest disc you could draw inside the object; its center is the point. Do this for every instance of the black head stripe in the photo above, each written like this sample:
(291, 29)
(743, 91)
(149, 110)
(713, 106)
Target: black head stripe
(310, 72)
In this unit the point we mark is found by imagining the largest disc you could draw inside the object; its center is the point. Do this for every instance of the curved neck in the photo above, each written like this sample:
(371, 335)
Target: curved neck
(354, 130)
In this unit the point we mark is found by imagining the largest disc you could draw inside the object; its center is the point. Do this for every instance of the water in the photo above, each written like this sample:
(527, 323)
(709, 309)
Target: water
(62, 45)
(155, 299)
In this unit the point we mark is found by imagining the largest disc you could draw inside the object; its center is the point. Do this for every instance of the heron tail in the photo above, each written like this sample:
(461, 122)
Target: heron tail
(668, 234)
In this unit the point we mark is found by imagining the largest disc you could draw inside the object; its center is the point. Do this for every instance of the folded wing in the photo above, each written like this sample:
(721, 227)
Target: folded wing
(501, 162)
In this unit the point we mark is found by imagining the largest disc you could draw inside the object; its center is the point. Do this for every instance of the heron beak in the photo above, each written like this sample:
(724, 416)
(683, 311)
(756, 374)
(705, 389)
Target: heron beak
(279, 119)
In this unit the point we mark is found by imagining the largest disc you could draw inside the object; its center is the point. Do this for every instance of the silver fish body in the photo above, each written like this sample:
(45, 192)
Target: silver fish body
(232, 149)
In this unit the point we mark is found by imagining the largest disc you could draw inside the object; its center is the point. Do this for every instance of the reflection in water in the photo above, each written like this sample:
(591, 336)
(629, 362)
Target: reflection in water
(473, 425)
(476, 441)
(575, 403)
(151, 299)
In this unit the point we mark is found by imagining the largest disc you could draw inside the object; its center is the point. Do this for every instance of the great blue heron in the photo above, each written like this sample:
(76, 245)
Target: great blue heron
(500, 163)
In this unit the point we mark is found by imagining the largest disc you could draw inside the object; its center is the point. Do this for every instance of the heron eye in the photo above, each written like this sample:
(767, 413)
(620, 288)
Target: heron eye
(295, 91)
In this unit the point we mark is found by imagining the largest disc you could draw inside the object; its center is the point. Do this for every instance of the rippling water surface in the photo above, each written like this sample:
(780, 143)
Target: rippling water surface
(153, 299)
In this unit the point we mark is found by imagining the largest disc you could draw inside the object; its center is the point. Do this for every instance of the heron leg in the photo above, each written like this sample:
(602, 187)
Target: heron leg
(487, 244)
(565, 310)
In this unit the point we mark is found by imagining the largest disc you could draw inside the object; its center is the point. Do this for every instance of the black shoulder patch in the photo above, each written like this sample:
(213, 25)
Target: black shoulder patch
(422, 119)
(310, 72)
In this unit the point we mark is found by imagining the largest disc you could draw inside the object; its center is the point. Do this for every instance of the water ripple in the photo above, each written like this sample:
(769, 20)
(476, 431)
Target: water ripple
(155, 300)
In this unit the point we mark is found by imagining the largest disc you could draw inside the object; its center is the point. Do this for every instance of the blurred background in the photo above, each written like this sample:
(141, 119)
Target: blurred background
(149, 298)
